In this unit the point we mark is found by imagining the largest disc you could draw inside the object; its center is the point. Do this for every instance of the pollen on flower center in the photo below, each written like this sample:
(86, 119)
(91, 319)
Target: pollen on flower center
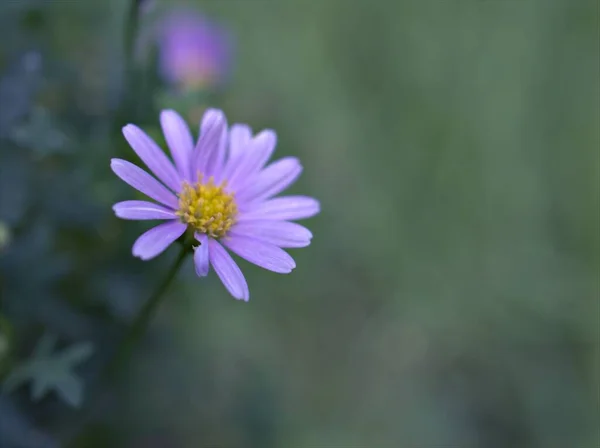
(207, 208)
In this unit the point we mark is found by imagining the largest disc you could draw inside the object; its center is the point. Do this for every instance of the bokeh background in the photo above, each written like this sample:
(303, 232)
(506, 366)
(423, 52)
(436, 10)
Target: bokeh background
(450, 297)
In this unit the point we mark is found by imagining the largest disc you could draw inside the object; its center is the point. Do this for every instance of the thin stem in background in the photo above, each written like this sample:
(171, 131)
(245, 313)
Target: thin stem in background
(130, 71)
(132, 23)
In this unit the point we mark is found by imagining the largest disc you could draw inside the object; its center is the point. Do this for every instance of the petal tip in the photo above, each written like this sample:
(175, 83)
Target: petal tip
(136, 253)
(128, 128)
(268, 134)
(214, 111)
(244, 292)
(141, 255)
(243, 297)
(116, 165)
(317, 206)
(212, 117)
(169, 115)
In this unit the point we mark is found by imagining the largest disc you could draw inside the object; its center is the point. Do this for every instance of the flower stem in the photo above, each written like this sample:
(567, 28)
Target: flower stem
(131, 93)
(142, 320)
(131, 29)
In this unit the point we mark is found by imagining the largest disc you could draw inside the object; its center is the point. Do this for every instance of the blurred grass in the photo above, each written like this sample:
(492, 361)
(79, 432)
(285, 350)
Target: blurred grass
(450, 296)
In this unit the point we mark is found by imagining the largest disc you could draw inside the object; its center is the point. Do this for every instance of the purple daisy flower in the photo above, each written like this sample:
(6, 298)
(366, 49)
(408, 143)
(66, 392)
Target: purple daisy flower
(194, 52)
(222, 191)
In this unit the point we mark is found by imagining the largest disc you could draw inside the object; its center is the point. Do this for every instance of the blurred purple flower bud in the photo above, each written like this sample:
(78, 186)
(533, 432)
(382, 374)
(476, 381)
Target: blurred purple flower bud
(194, 52)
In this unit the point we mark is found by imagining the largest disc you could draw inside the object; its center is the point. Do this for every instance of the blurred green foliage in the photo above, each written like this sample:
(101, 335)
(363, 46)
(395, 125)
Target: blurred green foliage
(451, 293)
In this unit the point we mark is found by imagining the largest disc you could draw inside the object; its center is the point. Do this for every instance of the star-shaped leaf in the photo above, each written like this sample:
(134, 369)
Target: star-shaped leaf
(49, 371)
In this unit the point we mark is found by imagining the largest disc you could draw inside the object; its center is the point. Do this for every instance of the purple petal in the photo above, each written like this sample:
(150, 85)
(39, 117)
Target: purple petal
(209, 153)
(152, 156)
(142, 181)
(201, 261)
(239, 137)
(265, 255)
(272, 180)
(259, 151)
(279, 233)
(142, 210)
(284, 208)
(228, 271)
(157, 239)
(263, 146)
(179, 139)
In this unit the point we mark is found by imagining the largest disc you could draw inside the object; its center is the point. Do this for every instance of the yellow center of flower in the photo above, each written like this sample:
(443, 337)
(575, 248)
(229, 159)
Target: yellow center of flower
(207, 208)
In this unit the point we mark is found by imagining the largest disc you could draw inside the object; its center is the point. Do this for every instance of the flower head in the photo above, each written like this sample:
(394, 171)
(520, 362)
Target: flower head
(194, 52)
(220, 190)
